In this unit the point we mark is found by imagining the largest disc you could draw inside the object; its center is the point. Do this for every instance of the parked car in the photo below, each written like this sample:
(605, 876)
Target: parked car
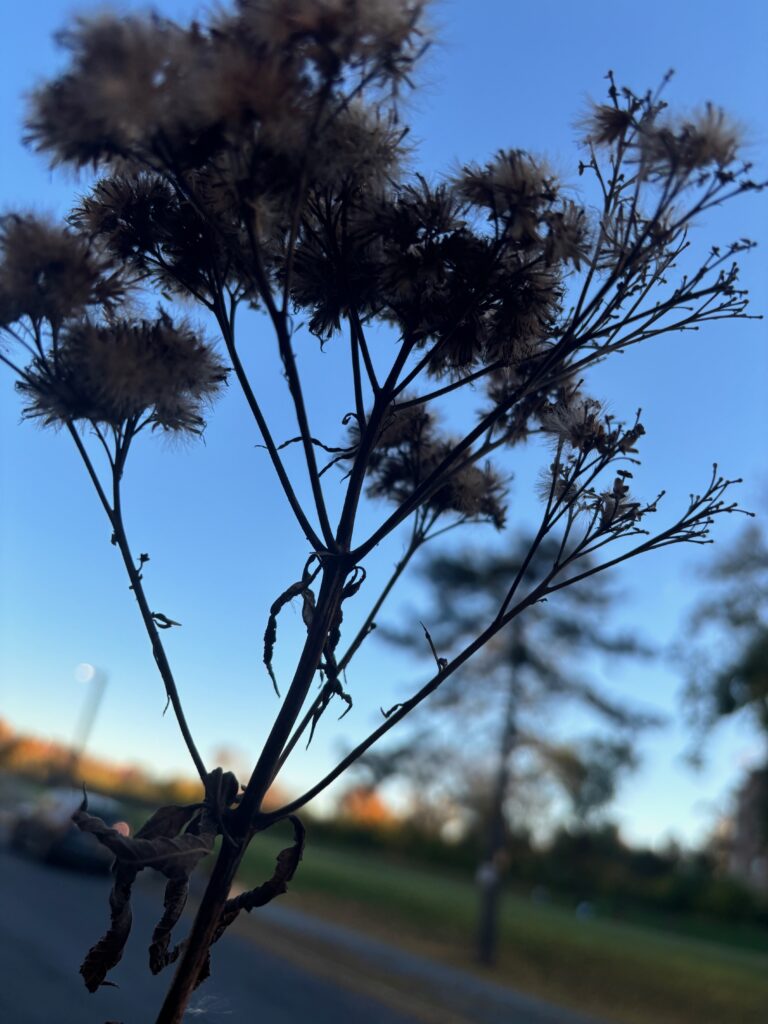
(43, 829)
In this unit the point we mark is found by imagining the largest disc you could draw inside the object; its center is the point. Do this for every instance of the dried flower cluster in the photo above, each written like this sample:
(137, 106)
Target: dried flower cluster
(408, 450)
(49, 273)
(58, 295)
(124, 371)
(259, 161)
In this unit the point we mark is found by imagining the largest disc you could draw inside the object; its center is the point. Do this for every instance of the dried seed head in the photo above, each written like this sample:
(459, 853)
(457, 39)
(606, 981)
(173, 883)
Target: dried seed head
(50, 273)
(576, 421)
(515, 187)
(709, 139)
(126, 370)
(568, 237)
(474, 492)
(409, 450)
(126, 84)
(605, 124)
(554, 483)
(383, 34)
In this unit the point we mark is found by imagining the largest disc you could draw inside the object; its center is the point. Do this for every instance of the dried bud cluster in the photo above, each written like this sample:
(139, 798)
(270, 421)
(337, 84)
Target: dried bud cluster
(125, 371)
(50, 273)
(616, 506)
(409, 449)
(145, 90)
(581, 423)
(660, 145)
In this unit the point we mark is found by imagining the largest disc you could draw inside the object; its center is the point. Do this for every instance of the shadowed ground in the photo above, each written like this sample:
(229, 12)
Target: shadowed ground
(51, 916)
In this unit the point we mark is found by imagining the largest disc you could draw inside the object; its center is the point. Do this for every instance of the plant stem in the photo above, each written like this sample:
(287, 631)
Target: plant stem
(264, 772)
(202, 934)
(148, 619)
(365, 629)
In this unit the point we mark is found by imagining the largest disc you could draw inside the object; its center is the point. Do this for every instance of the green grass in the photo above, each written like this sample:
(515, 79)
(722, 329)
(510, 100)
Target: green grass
(628, 972)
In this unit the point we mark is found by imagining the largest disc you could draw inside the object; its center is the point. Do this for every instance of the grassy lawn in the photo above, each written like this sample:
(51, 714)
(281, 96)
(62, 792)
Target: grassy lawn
(630, 973)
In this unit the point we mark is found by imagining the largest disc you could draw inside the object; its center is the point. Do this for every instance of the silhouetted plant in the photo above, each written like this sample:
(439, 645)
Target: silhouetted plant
(259, 161)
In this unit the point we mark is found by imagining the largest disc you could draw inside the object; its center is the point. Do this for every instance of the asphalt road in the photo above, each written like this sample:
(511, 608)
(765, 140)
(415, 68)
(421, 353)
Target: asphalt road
(49, 917)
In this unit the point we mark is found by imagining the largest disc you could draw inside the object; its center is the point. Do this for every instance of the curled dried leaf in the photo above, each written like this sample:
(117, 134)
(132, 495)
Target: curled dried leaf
(168, 820)
(350, 588)
(270, 633)
(161, 844)
(172, 855)
(176, 892)
(300, 587)
(285, 868)
(108, 951)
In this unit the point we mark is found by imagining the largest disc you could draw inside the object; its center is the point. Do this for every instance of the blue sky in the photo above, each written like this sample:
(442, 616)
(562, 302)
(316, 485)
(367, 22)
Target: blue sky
(222, 544)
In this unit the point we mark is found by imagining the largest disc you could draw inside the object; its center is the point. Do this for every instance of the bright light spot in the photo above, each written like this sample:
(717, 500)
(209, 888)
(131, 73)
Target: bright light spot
(84, 672)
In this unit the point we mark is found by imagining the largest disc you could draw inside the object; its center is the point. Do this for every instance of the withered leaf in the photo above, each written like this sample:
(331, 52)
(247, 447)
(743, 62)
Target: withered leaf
(392, 710)
(349, 590)
(160, 844)
(162, 621)
(168, 820)
(176, 892)
(172, 855)
(108, 951)
(287, 862)
(332, 688)
(307, 607)
(270, 633)
(358, 578)
(300, 587)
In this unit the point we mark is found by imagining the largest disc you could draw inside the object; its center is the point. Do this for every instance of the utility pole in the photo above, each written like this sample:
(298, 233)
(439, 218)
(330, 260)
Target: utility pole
(97, 678)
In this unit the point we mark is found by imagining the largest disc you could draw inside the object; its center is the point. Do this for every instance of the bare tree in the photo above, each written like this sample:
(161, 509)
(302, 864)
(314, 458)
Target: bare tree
(259, 161)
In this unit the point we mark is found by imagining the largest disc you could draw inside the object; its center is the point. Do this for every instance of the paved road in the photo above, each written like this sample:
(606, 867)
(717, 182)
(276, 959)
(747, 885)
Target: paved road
(452, 993)
(49, 917)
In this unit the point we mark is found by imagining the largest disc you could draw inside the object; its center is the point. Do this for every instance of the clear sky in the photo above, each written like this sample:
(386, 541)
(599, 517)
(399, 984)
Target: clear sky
(503, 74)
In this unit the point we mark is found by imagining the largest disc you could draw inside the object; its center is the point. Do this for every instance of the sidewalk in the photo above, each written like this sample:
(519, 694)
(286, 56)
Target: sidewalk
(435, 991)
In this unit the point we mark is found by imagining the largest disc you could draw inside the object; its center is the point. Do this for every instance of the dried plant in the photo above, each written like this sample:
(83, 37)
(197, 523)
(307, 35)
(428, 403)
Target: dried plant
(259, 161)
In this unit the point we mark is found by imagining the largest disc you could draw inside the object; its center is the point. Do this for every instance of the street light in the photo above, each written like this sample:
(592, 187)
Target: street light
(97, 678)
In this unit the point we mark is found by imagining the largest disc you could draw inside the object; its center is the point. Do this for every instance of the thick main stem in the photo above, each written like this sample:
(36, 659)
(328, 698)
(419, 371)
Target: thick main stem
(217, 891)
(264, 772)
(202, 934)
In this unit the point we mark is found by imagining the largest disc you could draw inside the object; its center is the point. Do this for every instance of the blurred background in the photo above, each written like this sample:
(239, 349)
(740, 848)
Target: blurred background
(583, 816)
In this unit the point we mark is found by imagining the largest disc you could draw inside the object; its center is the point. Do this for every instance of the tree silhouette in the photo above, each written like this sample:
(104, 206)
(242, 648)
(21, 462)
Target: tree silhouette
(728, 660)
(488, 735)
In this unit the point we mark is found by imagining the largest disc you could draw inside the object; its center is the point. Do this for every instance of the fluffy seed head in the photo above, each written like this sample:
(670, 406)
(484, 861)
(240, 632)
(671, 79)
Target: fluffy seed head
(112, 373)
(50, 273)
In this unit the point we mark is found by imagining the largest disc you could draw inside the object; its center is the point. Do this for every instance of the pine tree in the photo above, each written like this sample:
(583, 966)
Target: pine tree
(485, 742)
